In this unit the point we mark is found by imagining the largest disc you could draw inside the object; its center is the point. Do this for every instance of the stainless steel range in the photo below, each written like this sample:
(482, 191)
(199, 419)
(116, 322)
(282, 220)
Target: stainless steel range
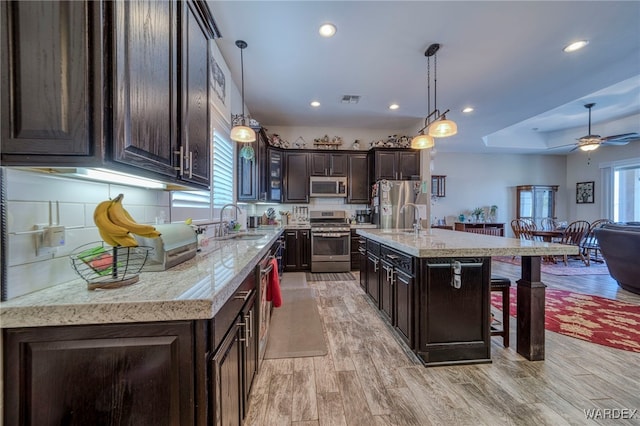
(330, 241)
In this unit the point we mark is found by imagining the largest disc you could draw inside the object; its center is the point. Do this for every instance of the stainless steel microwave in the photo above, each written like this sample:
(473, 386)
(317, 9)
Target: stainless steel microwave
(327, 186)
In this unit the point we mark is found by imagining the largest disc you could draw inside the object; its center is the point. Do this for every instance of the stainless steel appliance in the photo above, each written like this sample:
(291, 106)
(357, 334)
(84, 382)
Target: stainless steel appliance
(363, 216)
(178, 243)
(330, 241)
(327, 186)
(391, 195)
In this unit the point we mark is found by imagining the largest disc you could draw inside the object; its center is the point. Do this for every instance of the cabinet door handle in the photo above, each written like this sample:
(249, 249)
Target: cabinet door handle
(244, 295)
(247, 330)
(180, 154)
(190, 164)
(244, 326)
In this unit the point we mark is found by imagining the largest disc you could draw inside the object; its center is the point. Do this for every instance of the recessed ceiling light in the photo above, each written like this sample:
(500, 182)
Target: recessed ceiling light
(394, 106)
(315, 104)
(327, 30)
(467, 109)
(575, 46)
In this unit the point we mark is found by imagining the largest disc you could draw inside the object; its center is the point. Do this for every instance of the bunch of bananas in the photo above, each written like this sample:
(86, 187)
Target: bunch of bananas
(116, 225)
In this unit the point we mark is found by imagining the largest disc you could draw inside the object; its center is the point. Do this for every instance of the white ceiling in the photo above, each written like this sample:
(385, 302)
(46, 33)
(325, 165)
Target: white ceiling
(503, 58)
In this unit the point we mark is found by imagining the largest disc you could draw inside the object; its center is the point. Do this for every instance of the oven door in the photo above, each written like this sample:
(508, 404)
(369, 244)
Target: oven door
(330, 246)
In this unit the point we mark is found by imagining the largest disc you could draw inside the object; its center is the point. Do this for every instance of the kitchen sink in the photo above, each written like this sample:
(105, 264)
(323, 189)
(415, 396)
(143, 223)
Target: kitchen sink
(247, 236)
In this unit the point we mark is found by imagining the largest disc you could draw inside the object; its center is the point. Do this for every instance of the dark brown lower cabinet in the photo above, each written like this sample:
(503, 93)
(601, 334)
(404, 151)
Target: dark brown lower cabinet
(362, 263)
(196, 372)
(373, 277)
(297, 252)
(134, 374)
(404, 304)
(454, 320)
(226, 368)
(386, 289)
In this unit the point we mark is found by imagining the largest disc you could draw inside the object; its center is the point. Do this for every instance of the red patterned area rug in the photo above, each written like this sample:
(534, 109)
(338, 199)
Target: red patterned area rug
(592, 318)
(574, 267)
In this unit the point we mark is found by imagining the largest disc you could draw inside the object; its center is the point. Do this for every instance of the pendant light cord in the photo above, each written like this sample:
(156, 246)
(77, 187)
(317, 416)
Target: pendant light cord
(242, 77)
(435, 83)
(428, 87)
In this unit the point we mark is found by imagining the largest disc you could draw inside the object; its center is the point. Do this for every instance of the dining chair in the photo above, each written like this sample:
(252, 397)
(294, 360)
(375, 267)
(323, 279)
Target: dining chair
(589, 242)
(521, 229)
(573, 235)
(549, 223)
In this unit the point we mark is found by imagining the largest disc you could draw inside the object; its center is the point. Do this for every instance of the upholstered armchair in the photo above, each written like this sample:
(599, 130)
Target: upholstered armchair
(620, 248)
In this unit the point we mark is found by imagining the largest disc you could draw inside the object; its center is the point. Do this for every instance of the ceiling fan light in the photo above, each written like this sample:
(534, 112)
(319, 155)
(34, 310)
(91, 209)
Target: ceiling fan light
(443, 128)
(242, 134)
(589, 146)
(422, 141)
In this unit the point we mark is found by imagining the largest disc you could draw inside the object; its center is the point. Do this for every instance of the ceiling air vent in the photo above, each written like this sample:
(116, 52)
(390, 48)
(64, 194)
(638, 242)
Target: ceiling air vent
(350, 99)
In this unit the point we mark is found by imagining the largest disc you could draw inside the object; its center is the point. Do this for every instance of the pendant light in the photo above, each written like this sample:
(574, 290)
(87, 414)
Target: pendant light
(424, 141)
(441, 128)
(243, 133)
(436, 125)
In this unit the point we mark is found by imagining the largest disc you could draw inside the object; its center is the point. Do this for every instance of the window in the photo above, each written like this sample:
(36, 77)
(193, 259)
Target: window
(621, 189)
(222, 181)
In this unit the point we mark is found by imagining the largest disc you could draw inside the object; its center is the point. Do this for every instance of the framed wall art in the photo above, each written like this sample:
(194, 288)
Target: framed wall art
(219, 83)
(584, 192)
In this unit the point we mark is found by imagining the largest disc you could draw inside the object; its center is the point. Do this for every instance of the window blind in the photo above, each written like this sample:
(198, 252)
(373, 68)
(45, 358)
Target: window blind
(222, 180)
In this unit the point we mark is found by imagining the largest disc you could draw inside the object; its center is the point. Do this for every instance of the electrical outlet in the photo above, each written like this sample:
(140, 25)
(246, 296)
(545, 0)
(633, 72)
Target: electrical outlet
(47, 241)
(54, 236)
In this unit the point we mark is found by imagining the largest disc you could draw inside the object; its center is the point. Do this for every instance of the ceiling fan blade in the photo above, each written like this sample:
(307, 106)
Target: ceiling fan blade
(562, 146)
(622, 139)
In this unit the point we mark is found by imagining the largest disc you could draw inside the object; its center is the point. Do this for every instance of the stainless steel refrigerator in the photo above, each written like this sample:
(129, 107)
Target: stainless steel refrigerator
(391, 195)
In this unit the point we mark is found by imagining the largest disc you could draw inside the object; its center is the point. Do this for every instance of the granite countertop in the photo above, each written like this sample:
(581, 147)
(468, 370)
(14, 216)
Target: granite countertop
(195, 289)
(446, 243)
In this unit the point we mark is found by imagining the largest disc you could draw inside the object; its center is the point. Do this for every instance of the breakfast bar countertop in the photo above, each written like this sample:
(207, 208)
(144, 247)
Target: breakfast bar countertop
(436, 242)
(195, 289)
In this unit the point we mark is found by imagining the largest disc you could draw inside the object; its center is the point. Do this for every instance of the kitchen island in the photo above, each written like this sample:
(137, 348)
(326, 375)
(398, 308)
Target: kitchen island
(449, 302)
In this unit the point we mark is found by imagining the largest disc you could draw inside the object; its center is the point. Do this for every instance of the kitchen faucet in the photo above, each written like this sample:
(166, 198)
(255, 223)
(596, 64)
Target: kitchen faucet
(222, 212)
(416, 226)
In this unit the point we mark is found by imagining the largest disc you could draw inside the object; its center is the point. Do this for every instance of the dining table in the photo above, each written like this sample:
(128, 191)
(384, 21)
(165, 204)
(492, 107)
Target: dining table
(547, 235)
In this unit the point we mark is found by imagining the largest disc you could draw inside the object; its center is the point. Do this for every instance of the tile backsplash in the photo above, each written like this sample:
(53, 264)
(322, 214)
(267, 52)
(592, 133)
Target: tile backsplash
(39, 199)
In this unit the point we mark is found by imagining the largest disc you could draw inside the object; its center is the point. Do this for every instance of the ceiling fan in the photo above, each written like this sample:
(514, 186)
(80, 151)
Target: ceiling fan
(591, 142)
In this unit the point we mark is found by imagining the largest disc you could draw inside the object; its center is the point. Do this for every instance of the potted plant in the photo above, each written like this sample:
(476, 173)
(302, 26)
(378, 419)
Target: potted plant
(478, 213)
(492, 212)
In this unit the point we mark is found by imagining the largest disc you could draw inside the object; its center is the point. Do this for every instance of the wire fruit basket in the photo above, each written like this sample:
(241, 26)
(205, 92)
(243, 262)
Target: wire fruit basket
(103, 266)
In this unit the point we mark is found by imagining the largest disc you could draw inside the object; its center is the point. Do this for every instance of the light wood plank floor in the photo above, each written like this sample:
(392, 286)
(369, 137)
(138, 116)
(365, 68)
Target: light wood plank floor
(368, 378)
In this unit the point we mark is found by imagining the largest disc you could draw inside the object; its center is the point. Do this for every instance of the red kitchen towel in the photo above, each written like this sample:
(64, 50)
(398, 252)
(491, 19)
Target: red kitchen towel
(273, 289)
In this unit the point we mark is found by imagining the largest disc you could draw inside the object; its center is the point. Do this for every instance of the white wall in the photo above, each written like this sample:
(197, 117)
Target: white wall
(481, 180)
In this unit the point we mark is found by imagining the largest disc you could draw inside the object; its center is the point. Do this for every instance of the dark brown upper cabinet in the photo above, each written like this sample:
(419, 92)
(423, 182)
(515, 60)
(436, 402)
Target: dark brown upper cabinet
(394, 164)
(121, 85)
(50, 108)
(357, 179)
(250, 176)
(296, 177)
(195, 140)
(328, 164)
